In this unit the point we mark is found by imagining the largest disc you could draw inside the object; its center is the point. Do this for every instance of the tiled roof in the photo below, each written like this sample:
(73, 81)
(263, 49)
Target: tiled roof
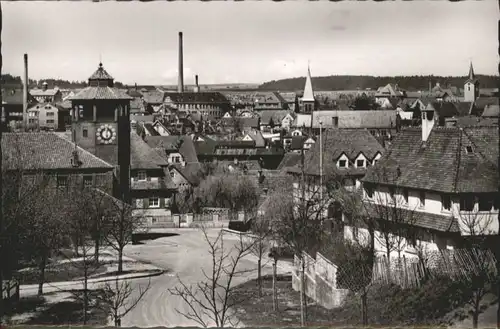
(137, 105)
(256, 136)
(184, 144)
(142, 118)
(336, 142)
(289, 160)
(162, 183)
(197, 97)
(153, 96)
(142, 156)
(251, 165)
(15, 96)
(443, 163)
(101, 93)
(298, 142)
(134, 93)
(430, 221)
(491, 111)
(41, 92)
(206, 147)
(474, 121)
(148, 126)
(191, 171)
(444, 109)
(276, 115)
(463, 108)
(44, 150)
(100, 74)
(481, 102)
(356, 119)
(243, 122)
(302, 120)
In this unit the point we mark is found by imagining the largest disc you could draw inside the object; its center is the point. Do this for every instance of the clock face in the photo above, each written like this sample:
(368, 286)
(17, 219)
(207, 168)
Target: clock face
(106, 134)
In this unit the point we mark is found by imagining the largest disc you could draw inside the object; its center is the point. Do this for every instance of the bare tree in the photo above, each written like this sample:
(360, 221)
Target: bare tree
(261, 230)
(213, 299)
(120, 223)
(119, 298)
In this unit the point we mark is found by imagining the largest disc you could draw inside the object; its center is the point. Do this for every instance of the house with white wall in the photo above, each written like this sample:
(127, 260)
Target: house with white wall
(443, 183)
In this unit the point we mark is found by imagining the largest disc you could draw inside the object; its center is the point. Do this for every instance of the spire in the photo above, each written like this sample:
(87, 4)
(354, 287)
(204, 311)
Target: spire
(471, 72)
(308, 90)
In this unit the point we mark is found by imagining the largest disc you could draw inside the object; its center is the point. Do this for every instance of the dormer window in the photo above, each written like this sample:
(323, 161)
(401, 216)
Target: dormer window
(342, 163)
(360, 163)
(469, 149)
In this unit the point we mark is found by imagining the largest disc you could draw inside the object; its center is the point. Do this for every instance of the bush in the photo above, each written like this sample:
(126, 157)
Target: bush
(238, 225)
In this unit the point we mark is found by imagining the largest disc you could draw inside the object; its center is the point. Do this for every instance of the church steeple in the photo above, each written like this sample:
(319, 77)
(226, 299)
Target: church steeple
(471, 86)
(308, 90)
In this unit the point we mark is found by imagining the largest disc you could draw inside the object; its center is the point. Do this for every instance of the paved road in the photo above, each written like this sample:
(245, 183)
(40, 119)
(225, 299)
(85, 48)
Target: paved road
(185, 255)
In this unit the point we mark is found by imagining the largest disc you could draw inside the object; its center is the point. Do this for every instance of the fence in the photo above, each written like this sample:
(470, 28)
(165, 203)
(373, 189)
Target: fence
(10, 290)
(320, 280)
(455, 264)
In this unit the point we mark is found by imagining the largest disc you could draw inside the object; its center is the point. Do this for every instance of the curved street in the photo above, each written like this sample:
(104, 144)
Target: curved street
(185, 255)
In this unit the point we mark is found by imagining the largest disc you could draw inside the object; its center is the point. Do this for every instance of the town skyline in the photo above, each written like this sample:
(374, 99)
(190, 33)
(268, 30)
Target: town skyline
(329, 37)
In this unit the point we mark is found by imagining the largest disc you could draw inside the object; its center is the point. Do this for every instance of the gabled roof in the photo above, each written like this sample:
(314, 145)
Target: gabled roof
(142, 156)
(153, 97)
(148, 126)
(41, 92)
(443, 165)
(382, 119)
(183, 144)
(336, 142)
(389, 90)
(15, 96)
(289, 160)
(44, 151)
(257, 137)
(275, 115)
(302, 120)
(491, 111)
(443, 109)
(308, 89)
(297, 142)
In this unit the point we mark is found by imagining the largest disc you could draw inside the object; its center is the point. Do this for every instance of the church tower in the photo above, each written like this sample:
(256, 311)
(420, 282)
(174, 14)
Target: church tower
(308, 102)
(100, 116)
(471, 87)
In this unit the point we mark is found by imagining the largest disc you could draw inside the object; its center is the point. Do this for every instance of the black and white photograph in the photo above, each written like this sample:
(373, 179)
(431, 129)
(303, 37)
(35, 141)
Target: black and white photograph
(234, 164)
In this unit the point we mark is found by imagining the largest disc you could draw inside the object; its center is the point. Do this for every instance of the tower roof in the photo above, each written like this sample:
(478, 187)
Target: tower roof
(308, 90)
(472, 76)
(100, 74)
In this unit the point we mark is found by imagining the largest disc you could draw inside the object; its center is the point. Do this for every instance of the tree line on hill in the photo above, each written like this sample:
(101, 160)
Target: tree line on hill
(10, 80)
(353, 82)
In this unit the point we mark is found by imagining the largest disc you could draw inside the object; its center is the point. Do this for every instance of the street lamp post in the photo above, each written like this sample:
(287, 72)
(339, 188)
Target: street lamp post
(321, 167)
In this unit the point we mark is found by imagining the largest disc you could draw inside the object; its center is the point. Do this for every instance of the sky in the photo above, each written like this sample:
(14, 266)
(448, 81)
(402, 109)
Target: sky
(248, 42)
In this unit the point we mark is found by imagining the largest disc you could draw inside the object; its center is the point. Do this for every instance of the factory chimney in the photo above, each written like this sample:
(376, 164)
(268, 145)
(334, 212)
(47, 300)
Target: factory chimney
(180, 85)
(25, 91)
(196, 86)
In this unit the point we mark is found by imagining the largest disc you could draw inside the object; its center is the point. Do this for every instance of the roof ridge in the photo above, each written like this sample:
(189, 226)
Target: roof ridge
(458, 156)
(81, 149)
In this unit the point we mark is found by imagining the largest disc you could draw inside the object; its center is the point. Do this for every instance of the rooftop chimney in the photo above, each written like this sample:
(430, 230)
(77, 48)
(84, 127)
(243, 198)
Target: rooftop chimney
(180, 85)
(196, 87)
(45, 85)
(427, 122)
(25, 90)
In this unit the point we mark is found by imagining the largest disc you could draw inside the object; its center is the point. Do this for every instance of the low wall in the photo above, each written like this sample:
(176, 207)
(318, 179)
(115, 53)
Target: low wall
(320, 281)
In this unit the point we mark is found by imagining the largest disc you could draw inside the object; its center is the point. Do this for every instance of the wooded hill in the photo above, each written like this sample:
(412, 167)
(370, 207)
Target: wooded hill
(16, 81)
(353, 82)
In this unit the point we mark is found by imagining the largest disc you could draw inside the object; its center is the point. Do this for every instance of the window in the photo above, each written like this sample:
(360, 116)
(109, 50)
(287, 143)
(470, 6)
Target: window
(49, 121)
(62, 181)
(369, 190)
(469, 149)
(468, 87)
(85, 133)
(360, 163)
(486, 203)
(467, 203)
(172, 174)
(141, 175)
(422, 198)
(446, 202)
(374, 162)
(405, 195)
(87, 181)
(335, 121)
(50, 114)
(391, 194)
(154, 202)
(342, 163)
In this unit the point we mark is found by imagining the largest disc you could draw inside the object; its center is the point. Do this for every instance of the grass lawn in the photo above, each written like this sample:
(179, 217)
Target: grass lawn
(67, 311)
(62, 272)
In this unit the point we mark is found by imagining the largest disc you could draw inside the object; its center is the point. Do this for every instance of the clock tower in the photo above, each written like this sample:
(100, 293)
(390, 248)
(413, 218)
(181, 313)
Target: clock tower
(100, 116)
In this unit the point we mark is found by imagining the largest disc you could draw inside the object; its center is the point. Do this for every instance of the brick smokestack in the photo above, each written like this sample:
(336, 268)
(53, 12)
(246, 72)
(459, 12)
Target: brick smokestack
(180, 85)
(25, 91)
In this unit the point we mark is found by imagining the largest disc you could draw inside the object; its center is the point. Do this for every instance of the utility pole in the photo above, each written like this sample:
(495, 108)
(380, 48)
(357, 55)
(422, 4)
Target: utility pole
(321, 168)
(1, 183)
